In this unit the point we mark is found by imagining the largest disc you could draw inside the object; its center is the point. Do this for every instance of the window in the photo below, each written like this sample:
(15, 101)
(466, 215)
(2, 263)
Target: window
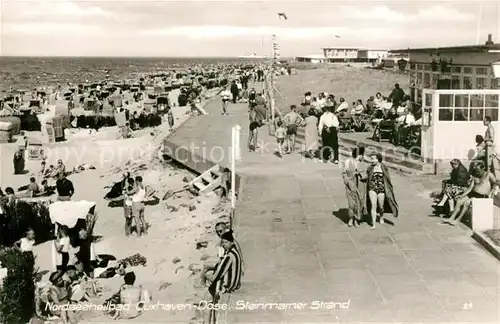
(445, 107)
(445, 114)
(462, 101)
(427, 67)
(445, 100)
(420, 67)
(467, 82)
(461, 114)
(456, 69)
(412, 66)
(492, 112)
(466, 107)
(482, 71)
(494, 84)
(476, 101)
(461, 104)
(476, 114)
(455, 82)
(427, 80)
(481, 83)
(467, 70)
(491, 101)
(419, 79)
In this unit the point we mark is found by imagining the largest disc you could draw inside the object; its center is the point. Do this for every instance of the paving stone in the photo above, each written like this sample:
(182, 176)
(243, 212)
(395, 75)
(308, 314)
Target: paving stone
(387, 264)
(430, 260)
(415, 241)
(347, 275)
(423, 314)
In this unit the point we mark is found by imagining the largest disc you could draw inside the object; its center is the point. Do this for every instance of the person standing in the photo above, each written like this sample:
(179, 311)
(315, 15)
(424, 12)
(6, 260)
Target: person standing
(327, 128)
(240, 89)
(234, 91)
(380, 190)
(127, 205)
(292, 120)
(139, 195)
(19, 162)
(312, 143)
(489, 139)
(350, 176)
(253, 128)
(226, 96)
(397, 96)
(62, 247)
(65, 189)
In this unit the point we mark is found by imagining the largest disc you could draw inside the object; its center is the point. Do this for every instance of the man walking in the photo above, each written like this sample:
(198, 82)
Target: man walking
(234, 91)
(292, 121)
(327, 128)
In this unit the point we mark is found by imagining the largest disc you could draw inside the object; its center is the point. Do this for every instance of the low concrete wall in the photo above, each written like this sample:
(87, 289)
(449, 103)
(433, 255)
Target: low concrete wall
(192, 161)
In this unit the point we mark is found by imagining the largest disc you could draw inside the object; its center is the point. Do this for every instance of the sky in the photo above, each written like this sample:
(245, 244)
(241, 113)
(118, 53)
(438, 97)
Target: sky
(232, 28)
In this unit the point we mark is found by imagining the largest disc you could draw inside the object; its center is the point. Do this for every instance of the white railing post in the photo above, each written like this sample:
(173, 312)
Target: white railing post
(235, 155)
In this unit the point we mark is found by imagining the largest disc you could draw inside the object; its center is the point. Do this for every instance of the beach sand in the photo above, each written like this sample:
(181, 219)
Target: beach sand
(170, 246)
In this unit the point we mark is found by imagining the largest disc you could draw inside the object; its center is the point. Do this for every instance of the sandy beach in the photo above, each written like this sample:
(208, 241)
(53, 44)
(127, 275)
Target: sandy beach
(176, 225)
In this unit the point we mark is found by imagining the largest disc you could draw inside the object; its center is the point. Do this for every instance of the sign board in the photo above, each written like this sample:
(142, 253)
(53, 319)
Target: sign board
(35, 151)
(50, 133)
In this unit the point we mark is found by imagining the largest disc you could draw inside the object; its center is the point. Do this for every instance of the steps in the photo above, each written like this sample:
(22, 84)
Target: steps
(207, 181)
(396, 158)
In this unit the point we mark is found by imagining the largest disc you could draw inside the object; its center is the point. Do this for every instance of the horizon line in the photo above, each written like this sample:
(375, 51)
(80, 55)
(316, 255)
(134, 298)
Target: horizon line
(126, 56)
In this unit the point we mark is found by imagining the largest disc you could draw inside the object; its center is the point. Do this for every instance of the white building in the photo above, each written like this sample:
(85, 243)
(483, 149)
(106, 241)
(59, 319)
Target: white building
(372, 55)
(311, 59)
(340, 54)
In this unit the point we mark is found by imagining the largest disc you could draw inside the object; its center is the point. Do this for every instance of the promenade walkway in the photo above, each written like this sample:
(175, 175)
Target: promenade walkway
(297, 248)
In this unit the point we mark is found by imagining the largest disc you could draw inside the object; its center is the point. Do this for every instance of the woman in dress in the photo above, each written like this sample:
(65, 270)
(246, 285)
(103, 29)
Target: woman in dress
(350, 175)
(455, 186)
(311, 130)
(380, 191)
(19, 162)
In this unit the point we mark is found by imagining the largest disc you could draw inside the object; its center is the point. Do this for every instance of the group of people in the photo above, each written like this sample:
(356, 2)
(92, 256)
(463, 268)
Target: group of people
(465, 184)
(369, 192)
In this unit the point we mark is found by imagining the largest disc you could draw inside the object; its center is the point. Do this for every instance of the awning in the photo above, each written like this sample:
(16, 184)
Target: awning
(69, 212)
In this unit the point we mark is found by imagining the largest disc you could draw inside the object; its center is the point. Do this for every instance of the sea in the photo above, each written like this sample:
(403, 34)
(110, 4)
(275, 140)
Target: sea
(27, 73)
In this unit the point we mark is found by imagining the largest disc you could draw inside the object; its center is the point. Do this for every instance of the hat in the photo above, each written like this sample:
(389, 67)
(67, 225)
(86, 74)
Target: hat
(228, 236)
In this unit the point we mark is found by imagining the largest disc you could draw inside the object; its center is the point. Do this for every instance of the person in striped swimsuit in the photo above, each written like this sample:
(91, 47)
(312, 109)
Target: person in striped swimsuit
(227, 275)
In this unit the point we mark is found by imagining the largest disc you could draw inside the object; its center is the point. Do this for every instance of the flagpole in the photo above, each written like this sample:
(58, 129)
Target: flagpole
(478, 30)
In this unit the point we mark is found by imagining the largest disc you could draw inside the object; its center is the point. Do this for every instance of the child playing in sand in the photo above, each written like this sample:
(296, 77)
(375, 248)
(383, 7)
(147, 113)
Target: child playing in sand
(280, 137)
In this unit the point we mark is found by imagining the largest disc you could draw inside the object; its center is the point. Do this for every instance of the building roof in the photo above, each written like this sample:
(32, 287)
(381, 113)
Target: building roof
(356, 48)
(341, 47)
(313, 56)
(450, 49)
